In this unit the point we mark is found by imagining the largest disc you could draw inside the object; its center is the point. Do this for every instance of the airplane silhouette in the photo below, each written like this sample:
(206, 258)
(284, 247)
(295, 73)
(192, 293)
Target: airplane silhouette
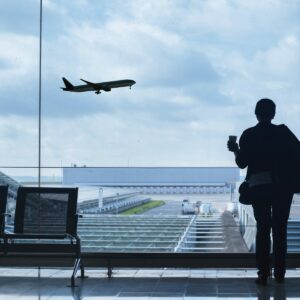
(97, 87)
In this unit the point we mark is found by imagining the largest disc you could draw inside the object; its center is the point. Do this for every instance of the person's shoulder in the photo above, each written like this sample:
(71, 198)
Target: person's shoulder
(247, 135)
(249, 130)
(281, 127)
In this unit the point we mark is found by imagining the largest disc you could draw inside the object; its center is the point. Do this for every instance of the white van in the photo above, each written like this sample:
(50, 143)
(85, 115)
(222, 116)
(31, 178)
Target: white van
(187, 207)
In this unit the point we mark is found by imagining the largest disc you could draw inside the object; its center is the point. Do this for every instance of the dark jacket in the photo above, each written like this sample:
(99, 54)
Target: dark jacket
(269, 147)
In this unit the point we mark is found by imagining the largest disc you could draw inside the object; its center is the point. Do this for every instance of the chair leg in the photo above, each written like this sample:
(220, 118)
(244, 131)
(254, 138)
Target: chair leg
(72, 282)
(109, 272)
(75, 269)
(82, 276)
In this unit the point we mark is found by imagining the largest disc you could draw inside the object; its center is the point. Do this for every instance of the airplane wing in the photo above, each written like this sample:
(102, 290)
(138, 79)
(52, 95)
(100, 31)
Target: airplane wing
(97, 86)
(107, 86)
(94, 85)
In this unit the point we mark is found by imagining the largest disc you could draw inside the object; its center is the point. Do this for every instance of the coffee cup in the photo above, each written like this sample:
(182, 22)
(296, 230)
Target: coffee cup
(232, 138)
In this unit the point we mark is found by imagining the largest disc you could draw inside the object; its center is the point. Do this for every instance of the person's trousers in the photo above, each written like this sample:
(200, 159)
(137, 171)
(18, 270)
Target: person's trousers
(271, 208)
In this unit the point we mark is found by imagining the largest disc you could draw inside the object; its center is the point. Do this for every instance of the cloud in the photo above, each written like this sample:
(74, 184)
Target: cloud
(160, 61)
(18, 74)
(5, 64)
(109, 140)
(200, 66)
(19, 52)
(282, 60)
(20, 17)
(148, 47)
(18, 141)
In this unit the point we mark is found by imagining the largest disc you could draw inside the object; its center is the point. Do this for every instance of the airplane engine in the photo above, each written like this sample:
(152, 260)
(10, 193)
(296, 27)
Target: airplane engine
(107, 89)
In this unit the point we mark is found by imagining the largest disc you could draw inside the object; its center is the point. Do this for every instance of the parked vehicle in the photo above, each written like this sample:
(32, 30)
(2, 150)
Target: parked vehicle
(206, 209)
(198, 205)
(187, 207)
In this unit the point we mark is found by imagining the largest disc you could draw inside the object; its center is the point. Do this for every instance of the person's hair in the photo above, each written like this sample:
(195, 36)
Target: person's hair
(265, 108)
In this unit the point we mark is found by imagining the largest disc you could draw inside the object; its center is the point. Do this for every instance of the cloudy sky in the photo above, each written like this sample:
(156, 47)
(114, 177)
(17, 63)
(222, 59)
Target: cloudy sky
(200, 67)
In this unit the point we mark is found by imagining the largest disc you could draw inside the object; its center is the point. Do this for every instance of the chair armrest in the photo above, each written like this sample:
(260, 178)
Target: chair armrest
(6, 214)
(73, 237)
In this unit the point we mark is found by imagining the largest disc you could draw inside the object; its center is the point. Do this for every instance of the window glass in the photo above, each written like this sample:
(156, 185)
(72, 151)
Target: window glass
(199, 69)
(19, 53)
(151, 162)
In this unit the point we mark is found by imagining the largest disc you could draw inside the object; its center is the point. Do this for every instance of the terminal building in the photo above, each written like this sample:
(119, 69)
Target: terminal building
(157, 180)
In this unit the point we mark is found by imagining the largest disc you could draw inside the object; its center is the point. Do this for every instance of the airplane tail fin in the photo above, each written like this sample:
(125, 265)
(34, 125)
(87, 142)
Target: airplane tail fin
(69, 85)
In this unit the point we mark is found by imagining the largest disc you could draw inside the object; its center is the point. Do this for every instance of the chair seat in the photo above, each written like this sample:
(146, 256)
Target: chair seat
(37, 236)
(42, 248)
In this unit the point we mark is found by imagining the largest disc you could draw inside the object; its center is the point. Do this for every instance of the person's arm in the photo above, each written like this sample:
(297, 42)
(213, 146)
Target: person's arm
(241, 157)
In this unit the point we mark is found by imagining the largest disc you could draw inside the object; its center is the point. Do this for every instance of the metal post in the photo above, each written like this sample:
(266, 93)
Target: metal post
(40, 94)
(117, 211)
(100, 198)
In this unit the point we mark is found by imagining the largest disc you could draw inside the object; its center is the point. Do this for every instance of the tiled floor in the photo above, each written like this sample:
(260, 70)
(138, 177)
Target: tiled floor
(144, 284)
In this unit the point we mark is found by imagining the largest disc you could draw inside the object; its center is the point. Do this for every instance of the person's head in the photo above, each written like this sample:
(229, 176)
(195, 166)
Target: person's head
(265, 110)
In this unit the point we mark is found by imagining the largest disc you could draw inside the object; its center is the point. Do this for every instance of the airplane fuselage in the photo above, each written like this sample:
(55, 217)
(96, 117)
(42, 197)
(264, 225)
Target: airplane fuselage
(97, 87)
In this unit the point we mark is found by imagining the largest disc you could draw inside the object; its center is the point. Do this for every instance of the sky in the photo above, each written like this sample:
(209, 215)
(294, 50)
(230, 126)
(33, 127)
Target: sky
(199, 67)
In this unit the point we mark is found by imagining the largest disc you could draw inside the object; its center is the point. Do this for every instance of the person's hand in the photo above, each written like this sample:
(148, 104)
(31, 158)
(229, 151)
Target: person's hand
(232, 146)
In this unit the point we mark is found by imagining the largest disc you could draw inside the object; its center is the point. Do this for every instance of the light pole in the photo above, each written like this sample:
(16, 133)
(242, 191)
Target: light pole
(117, 207)
(40, 94)
(100, 198)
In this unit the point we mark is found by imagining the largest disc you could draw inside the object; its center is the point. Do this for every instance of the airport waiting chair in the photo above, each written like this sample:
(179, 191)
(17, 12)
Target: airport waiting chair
(3, 202)
(45, 225)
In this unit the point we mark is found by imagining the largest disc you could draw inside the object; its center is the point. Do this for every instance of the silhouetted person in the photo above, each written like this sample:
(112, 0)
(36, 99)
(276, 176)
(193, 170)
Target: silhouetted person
(265, 149)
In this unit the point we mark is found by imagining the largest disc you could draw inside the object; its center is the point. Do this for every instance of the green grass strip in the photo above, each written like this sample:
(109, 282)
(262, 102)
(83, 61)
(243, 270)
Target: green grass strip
(144, 207)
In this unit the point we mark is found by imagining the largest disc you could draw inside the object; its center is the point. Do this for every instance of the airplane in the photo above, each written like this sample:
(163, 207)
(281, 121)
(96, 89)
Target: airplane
(90, 86)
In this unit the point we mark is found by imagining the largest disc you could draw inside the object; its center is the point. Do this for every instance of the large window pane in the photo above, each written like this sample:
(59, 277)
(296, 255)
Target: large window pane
(199, 68)
(19, 53)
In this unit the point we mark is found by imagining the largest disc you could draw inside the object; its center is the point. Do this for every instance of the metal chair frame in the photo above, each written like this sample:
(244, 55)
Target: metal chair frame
(30, 245)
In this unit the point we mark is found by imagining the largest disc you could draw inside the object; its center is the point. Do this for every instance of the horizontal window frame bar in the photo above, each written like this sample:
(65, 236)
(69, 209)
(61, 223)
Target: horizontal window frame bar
(143, 260)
